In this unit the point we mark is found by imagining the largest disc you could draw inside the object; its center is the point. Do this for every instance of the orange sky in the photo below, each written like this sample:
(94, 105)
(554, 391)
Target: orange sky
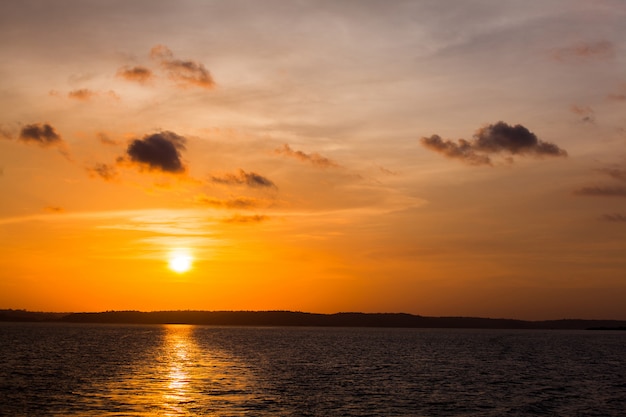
(435, 158)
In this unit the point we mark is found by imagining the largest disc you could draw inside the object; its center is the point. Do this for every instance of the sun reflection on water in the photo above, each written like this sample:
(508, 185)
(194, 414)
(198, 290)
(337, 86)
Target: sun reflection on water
(179, 349)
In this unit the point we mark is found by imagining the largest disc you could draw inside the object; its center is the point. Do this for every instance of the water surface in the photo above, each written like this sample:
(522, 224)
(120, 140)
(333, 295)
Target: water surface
(178, 370)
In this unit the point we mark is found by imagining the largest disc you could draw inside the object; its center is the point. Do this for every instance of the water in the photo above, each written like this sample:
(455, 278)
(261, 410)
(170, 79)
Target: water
(178, 370)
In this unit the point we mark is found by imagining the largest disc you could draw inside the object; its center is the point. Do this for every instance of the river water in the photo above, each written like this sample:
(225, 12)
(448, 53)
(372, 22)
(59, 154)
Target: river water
(185, 370)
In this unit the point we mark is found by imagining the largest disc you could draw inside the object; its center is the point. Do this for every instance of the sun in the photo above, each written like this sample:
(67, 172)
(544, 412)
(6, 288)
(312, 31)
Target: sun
(180, 262)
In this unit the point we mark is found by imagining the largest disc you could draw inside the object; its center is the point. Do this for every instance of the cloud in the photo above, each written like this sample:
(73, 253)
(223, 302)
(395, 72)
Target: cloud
(618, 174)
(619, 218)
(499, 138)
(241, 202)
(138, 74)
(313, 158)
(104, 171)
(159, 152)
(600, 50)
(5, 133)
(40, 133)
(251, 179)
(615, 173)
(82, 94)
(619, 95)
(54, 209)
(106, 140)
(185, 73)
(586, 113)
(602, 191)
(239, 219)
(85, 94)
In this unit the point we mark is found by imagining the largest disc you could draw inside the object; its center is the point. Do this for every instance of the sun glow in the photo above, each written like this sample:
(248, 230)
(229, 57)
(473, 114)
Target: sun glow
(180, 261)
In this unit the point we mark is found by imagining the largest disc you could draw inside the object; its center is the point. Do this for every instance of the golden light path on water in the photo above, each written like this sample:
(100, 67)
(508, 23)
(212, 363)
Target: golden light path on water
(186, 373)
(199, 380)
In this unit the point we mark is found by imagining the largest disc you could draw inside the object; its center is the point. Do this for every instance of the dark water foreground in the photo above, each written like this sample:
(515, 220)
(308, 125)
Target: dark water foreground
(178, 370)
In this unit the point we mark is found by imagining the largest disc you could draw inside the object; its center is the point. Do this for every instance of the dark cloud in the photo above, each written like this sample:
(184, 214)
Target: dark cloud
(160, 152)
(186, 73)
(586, 113)
(137, 74)
(250, 179)
(458, 150)
(104, 171)
(246, 203)
(584, 51)
(620, 218)
(239, 219)
(499, 138)
(602, 191)
(40, 133)
(313, 158)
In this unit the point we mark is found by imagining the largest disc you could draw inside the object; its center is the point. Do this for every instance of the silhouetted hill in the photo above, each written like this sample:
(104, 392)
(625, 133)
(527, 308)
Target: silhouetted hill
(291, 318)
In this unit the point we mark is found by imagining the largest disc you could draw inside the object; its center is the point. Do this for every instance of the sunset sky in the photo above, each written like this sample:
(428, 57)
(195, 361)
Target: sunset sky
(442, 158)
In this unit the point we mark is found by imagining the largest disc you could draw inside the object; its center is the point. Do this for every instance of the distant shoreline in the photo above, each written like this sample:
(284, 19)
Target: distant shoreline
(301, 319)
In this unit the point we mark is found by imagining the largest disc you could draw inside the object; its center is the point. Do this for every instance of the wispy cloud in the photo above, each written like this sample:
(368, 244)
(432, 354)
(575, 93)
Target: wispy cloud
(250, 179)
(498, 138)
(312, 158)
(586, 113)
(618, 174)
(240, 202)
(602, 191)
(106, 140)
(585, 51)
(54, 209)
(104, 171)
(240, 219)
(616, 217)
(186, 73)
(85, 94)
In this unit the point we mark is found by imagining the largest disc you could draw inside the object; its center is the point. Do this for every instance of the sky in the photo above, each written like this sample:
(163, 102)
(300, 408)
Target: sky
(441, 158)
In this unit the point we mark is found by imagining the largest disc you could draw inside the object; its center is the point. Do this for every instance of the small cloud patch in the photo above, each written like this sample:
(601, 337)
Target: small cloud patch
(42, 134)
(250, 179)
(186, 73)
(138, 74)
(312, 158)
(240, 219)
